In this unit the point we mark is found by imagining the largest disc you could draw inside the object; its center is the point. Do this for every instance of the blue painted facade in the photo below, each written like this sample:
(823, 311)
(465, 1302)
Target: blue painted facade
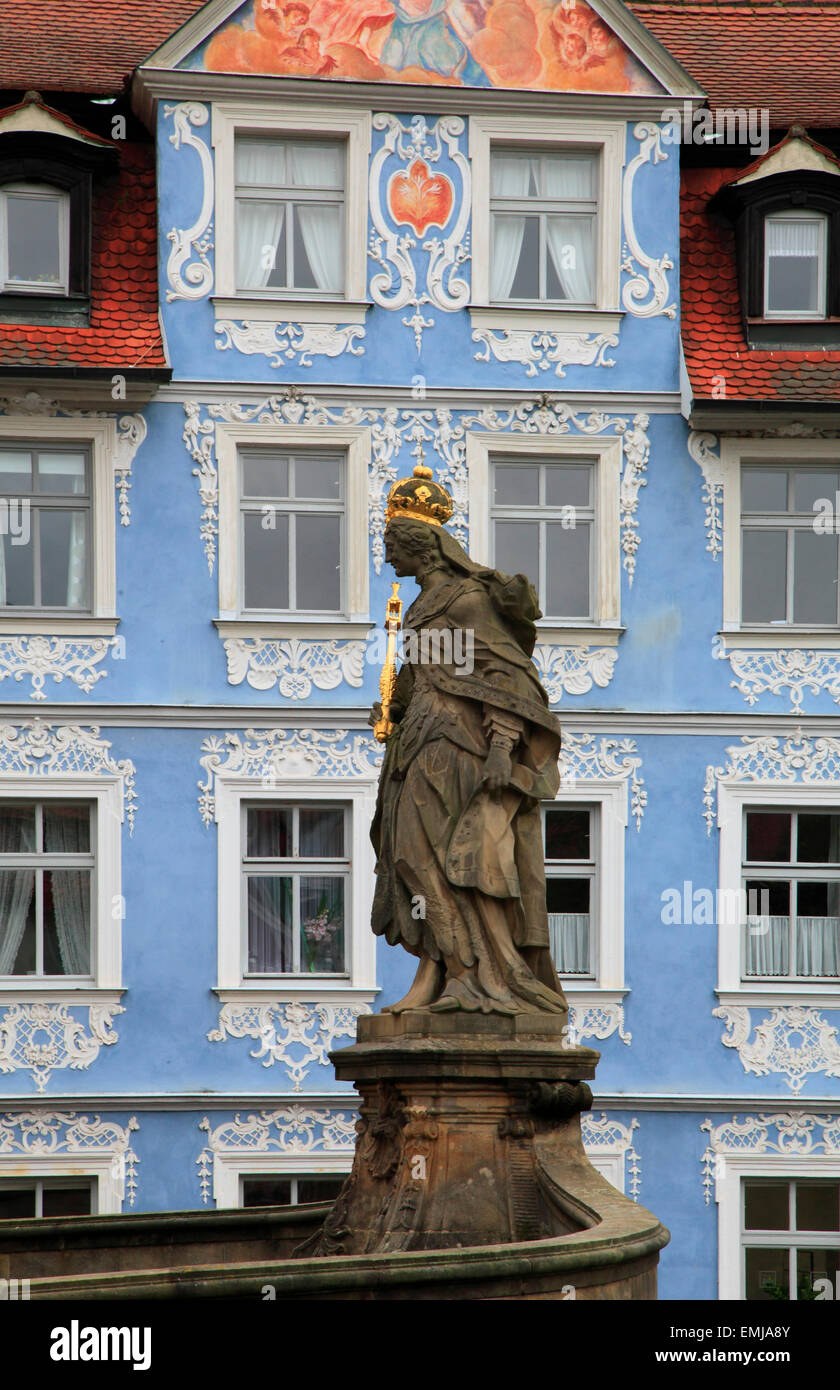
(652, 728)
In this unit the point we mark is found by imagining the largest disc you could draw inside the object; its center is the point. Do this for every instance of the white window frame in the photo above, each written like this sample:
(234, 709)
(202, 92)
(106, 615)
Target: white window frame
(233, 987)
(100, 435)
(105, 1169)
(576, 868)
(610, 797)
(605, 138)
(230, 1168)
(611, 1165)
(36, 190)
(804, 316)
(106, 927)
(730, 1170)
(734, 452)
(22, 1180)
(733, 800)
(355, 445)
(275, 119)
(605, 454)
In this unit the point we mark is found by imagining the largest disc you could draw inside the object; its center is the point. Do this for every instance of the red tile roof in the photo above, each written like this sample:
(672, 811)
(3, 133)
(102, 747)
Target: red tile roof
(83, 45)
(124, 330)
(716, 351)
(780, 54)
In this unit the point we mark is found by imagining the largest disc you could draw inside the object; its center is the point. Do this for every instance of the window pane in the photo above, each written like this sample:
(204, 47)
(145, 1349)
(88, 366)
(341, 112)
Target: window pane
(269, 925)
(567, 486)
(517, 486)
(764, 576)
(317, 477)
(766, 1206)
(66, 922)
(768, 1275)
(767, 929)
(321, 924)
(318, 556)
(567, 176)
(17, 575)
(794, 249)
(818, 929)
(15, 472)
(818, 839)
(567, 570)
(768, 837)
(566, 834)
(269, 832)
(260, 244)
(17, 922)
(809, 488)
(66, 1201)
(17, 1203)
(266, 1192)
(518, 548)
(318, 1189)
(266, 560)
(764, 489)
(318, 246)
(568, 894)
(66, 828)
(512, 175)
(321, 833)
(261, 162)
(265, 475)
(34, 238)
(817, 1206)
(571, 254)
(62, 473)
(812, 1265)
(515, 271)
(814, 578)
(63, 558)
(567, 901)
(317, 165)
(17, 827)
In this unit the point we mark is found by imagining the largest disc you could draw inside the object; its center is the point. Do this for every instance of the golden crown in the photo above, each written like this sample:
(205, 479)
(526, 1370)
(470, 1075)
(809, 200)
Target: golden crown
(420, 498)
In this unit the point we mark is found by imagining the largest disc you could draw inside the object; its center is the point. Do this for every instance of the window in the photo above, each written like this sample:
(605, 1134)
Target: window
(570, 837)
(789, 570)
(291, 209)
(34, 238)
(292, 519)
(296, 870)
(790, 1237)
(46, 554)
(276, 1190)
(795, 256)
(47, 864)
(543, 209)
(543, 526)
(22, 1198)
(791, 877)
(290, 215)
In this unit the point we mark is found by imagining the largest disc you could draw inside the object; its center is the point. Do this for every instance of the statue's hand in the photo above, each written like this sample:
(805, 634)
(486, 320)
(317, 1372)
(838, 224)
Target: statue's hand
(497, 770)
(375, 713)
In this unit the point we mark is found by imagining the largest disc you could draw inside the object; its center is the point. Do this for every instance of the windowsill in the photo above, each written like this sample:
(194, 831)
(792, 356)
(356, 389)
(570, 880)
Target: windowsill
(60, 992)
(68, 311)
(266, 309)
(558, 319)
(785, 636)
(324, 628)
(554, 634)
(313, 989)
(83, 626)
(764, 335)
(769, 996)
(584, 992)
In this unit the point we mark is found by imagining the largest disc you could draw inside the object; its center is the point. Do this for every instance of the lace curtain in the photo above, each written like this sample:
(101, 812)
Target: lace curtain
(260, 224)
(568, 935)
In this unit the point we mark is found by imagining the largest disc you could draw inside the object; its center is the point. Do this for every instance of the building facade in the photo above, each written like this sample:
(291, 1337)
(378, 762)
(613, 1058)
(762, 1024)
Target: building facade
(304, 249)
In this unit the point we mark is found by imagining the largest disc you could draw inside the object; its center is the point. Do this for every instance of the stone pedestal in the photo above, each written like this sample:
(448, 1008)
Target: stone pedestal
(469, 1136)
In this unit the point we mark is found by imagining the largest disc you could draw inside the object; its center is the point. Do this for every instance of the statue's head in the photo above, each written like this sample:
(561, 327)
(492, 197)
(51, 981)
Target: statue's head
(411, 546)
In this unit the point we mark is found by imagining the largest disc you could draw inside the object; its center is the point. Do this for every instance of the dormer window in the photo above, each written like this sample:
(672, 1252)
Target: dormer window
(795, 265)
(34, 239)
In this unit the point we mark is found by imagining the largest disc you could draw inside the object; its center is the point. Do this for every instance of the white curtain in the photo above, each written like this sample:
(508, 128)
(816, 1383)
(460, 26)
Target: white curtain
(789, 237)
(16, 889)
(320, 166)
(766, 950)
(818, 946)
(568, 934)
(569, 235)
(71, 895)
(511, 179)
(259, 225)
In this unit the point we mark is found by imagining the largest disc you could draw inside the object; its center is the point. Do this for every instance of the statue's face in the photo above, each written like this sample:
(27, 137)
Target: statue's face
(397, 554)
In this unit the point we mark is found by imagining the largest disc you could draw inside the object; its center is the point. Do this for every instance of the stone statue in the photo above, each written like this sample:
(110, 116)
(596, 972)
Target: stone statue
(473, 752)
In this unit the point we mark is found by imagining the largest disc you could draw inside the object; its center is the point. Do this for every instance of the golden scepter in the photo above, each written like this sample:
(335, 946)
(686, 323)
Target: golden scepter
(388, 679)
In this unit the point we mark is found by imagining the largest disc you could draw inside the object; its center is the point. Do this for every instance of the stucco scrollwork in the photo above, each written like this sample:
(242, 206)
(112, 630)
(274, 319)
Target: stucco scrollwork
(584, 758)
(27, 1134)
(290, 1130)
(43, 1037)
(294, 664)
(796, 1133)
(573, 670)
(793, 1041)
(191, 278)
(297, 1035)
(647, 291)
(289, 344)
